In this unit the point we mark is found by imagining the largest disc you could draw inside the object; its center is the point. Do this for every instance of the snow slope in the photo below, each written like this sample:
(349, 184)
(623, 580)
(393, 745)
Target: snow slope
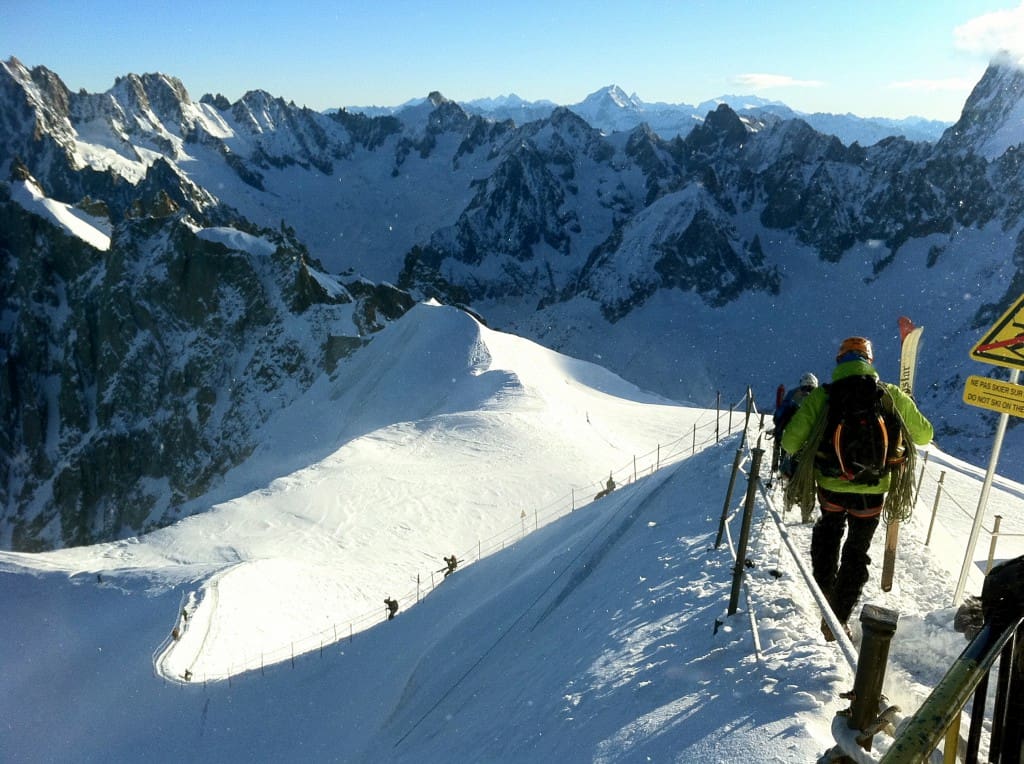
(92, 230)
(574, 629)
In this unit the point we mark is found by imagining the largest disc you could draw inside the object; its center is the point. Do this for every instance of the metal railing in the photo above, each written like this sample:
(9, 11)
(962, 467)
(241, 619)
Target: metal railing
(1001, 637)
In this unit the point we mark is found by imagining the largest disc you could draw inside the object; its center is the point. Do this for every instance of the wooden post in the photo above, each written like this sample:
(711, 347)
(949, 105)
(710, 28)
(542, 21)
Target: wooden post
(935, 507)
(992, 545)
(920, 478)
(879, 625)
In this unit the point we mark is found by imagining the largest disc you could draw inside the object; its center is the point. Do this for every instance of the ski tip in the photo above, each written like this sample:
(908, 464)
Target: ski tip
(906, 327)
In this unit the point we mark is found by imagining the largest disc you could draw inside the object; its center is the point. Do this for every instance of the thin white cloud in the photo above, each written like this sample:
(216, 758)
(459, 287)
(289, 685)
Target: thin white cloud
(756, 81)
(993, 33)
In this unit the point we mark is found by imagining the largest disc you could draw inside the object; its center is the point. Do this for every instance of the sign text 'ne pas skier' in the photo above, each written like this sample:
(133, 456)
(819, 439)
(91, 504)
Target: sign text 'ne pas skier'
(994, 394)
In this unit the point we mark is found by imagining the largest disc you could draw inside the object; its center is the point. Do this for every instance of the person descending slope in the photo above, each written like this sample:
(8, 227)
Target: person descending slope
(854, 439)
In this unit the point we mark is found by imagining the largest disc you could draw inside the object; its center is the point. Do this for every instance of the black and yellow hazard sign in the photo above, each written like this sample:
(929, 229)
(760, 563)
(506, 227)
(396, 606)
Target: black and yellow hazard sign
(1003, 344)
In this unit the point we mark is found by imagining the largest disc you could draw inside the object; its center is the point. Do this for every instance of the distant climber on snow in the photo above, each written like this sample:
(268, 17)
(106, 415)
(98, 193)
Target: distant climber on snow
(608, 488)
(452, 563)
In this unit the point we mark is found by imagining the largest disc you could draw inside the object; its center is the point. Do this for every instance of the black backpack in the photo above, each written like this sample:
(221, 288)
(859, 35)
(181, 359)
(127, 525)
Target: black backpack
(863, 438)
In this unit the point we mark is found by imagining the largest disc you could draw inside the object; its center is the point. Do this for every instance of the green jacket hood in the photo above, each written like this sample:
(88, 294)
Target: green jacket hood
(853, 369)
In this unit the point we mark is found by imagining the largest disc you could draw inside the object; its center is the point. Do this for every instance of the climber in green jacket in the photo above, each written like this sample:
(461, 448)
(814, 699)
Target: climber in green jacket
(851, 496)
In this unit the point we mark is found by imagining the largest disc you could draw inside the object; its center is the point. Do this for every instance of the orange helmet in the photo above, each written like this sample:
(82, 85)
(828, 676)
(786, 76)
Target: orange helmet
(859, 345)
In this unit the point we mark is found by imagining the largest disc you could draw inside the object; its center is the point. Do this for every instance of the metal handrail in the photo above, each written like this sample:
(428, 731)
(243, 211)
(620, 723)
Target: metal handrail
(1002, 634)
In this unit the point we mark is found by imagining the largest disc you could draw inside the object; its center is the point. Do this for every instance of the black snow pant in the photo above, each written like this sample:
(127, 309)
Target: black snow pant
(841, 577)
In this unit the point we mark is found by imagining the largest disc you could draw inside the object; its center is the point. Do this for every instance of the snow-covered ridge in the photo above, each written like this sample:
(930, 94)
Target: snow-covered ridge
(424, 419)
(238, 240)
(94, 231)
(610, 109)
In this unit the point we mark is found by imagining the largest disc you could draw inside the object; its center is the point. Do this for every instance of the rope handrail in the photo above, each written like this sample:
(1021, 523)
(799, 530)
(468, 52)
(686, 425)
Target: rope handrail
(929, 470)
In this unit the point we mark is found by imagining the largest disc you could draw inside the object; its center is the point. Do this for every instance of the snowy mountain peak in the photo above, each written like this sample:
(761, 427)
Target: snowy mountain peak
(740, 103)
(436, 99)
(510, 101)
(610, 109)
(157, 101)
(153, 89)
(992, 120)
(36, 96)
(611, 95)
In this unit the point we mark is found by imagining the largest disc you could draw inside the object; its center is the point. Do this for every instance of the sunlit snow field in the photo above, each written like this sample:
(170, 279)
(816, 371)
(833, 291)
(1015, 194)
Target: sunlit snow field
(573, 630)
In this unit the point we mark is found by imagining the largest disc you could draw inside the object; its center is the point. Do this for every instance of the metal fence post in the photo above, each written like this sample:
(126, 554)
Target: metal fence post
(935, 507)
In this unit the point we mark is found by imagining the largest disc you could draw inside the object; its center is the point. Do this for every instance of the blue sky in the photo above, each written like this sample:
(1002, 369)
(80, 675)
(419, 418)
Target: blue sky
(871, 57)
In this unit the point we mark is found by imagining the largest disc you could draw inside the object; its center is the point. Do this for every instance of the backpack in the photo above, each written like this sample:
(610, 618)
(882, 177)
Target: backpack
(863, 438)
(784, 412)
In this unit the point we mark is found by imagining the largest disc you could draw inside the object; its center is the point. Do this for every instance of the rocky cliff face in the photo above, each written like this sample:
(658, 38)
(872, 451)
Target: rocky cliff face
(135, 376)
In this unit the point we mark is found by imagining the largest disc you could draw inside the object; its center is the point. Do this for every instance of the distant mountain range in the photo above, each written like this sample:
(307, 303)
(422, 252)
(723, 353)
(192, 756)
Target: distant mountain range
(611, 110)
(173, 271)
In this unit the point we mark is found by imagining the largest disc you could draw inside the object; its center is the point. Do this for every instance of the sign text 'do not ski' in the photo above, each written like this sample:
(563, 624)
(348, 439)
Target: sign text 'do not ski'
(994, 394)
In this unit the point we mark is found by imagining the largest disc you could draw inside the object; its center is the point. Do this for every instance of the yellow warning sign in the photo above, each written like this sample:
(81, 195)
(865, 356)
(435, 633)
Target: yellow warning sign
(1003, 345)
(996, 395)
